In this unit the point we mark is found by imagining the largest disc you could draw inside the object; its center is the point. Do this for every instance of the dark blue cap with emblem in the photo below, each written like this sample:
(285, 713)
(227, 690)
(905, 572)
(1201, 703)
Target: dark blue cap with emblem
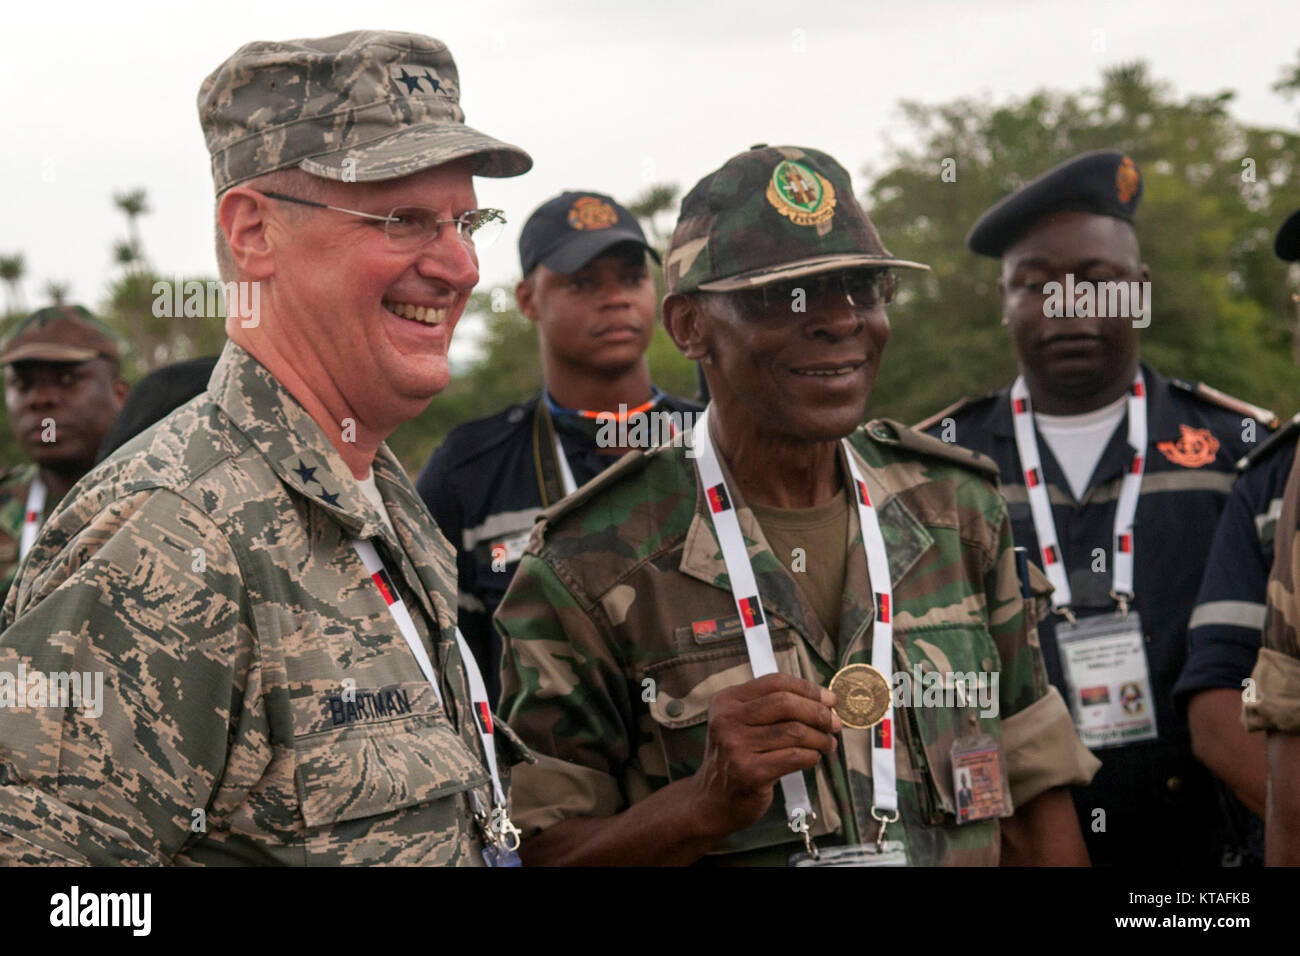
(567, 232)
(1104, 182)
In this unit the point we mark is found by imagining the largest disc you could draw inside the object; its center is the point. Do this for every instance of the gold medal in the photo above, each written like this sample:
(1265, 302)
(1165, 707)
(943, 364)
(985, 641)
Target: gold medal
(862, 696)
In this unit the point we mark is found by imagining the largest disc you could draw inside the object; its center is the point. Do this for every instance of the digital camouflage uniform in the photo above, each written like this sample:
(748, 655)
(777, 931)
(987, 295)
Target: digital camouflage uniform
(205, 570)
(14, 485)
(620, 626)
(1276, 706)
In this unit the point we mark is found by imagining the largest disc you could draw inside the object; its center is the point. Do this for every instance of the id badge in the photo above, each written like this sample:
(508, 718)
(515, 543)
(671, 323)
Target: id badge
(979, 780)
(1105, 663)
(891, 853)
(499, 856)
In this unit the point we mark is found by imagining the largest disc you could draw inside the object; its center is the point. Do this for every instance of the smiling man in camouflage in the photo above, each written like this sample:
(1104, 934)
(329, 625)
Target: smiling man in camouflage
(270, 603)
(647, 602)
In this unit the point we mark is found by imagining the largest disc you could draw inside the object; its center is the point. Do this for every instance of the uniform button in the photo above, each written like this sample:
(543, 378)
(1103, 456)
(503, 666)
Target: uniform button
(1174, 784)
(987, 664)
(674, 708)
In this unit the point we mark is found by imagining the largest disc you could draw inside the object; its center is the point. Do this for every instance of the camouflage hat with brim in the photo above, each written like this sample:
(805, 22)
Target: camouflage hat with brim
(61, 333)
(358, 107)
(771, 214)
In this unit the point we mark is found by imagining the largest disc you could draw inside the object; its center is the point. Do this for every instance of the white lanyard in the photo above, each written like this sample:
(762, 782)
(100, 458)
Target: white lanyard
(762, 658)
(1040, 508)
(32, 520)
(566, 473)
(500, 827)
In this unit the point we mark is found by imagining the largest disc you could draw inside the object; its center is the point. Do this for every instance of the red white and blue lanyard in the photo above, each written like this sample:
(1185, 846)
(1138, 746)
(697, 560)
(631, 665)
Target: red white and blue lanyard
(32, 516)
(499, 827)
(1040, 507)
(758, 642)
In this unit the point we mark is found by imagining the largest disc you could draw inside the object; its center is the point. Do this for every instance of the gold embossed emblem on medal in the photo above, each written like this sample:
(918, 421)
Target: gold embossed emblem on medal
(862, 696)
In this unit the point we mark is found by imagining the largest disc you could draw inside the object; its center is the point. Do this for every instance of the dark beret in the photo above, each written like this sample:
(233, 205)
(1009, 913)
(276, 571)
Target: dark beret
(1287, 243)
(1104, 182)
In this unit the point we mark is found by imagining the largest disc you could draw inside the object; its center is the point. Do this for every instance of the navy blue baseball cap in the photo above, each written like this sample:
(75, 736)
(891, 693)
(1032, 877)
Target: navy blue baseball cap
(567, 232)
(1104, 182)
(1287, 243)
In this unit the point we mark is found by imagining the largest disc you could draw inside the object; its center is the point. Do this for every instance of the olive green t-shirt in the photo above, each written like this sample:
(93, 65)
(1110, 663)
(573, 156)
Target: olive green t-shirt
(821, 534)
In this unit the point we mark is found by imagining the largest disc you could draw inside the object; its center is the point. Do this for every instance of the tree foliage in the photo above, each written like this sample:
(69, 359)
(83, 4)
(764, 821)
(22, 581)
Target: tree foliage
(1216, 190)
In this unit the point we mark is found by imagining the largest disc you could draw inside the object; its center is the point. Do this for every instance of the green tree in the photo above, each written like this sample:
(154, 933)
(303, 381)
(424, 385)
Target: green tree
(1216, 190)
(134, 203)
(12, 268)
(57, 292)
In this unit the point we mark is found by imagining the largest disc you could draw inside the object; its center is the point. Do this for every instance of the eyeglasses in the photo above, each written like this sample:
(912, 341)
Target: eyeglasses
(862, 288)
(408, 228)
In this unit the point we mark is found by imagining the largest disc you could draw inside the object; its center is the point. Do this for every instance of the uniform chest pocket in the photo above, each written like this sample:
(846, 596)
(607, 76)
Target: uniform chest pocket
(390, 766)
(679, 713)
(946, 666)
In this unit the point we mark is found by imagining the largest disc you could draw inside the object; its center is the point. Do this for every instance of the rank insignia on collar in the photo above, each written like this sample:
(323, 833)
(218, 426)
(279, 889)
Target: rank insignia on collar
(592, 213)
(800, 194)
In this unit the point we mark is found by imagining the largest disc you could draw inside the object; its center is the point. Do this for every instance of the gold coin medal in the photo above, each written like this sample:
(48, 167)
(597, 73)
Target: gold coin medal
(862, 696)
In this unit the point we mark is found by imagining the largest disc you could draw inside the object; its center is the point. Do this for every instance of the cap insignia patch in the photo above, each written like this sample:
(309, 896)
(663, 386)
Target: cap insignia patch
(1127, 180)
(592, 213)
(803, 196)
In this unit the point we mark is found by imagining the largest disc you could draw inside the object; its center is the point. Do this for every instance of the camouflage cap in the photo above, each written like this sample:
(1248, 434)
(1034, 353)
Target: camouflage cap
(361, 106)
(60, 333)
(770, 214)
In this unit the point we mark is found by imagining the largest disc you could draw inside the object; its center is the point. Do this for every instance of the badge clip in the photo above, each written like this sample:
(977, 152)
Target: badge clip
(884, 821)
(804, 830)
(1122, 600)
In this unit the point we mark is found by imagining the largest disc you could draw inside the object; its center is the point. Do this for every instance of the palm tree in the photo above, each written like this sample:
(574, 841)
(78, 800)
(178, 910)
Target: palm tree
(133, 204)
(57, 292)
(11, 273)
(124, 255)
(656, 199)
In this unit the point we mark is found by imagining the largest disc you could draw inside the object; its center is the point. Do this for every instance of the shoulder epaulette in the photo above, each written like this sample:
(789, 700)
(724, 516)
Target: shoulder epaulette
(632, 461)
(896, 433)
(1205, 393)
(927, 423)
(1287, 433)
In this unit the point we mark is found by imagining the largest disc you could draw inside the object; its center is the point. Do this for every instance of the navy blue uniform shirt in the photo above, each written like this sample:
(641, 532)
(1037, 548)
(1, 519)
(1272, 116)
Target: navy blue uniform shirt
(1224, 636)
(1160, 804)
(482, 487)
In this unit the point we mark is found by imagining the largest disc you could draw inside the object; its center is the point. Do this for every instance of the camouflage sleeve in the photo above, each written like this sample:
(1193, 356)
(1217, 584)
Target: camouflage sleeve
(1277, 670)
(143, 609)
(563, 691)
(1041, 748)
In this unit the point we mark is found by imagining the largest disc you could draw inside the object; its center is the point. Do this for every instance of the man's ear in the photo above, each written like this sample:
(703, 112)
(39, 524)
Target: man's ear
(242, 215)
(121, 388)
(687, 325)
(525, 299)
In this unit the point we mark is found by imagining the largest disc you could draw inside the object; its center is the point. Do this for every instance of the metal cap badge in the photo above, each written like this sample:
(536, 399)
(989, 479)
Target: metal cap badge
(770, 214)
(361, 106)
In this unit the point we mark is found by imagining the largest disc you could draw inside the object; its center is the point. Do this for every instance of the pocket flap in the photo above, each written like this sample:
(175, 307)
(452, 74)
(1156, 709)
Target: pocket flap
(370, 770)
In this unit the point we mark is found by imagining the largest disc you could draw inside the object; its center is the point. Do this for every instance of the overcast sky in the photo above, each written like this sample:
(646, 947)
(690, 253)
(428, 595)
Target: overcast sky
(99, 98)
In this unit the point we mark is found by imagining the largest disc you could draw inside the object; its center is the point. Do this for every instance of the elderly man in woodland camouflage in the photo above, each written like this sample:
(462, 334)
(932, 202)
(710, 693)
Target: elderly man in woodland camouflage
(268, 604)
(793, 603)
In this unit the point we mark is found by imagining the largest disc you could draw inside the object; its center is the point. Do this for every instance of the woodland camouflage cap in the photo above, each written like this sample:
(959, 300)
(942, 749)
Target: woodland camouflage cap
(770, 214)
